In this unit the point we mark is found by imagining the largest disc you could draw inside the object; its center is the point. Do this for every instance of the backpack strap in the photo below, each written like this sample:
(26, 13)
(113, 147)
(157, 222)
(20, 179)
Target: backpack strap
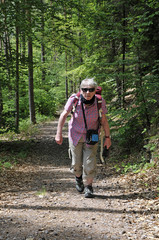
(75, 102)
(99, 101)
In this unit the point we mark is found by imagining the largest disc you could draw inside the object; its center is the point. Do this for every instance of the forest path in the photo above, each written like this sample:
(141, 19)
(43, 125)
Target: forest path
(38, 199)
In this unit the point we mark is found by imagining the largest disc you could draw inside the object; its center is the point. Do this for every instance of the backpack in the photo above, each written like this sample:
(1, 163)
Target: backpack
(99, 100)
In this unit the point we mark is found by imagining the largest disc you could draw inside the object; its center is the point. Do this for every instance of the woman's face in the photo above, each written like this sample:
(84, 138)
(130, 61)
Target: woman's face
(87, 91)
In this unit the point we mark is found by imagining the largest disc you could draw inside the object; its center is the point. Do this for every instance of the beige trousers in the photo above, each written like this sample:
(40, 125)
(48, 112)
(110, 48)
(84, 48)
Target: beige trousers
(83, 159)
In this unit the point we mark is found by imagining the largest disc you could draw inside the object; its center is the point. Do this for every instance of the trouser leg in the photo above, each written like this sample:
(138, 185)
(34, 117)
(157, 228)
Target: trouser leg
(83, 159)
(89, 162)
(77, 158)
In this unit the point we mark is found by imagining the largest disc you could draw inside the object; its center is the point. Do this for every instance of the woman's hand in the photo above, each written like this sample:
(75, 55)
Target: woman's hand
(59, 139)
(107, 142)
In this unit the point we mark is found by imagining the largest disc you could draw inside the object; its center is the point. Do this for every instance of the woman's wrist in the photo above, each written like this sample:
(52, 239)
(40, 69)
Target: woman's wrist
(107, 136)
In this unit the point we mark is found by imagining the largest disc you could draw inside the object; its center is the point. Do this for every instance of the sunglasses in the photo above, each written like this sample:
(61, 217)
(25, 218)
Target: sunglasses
(88, 89)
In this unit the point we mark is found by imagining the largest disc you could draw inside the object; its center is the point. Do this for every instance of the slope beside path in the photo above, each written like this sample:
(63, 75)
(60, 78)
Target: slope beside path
(38, 199)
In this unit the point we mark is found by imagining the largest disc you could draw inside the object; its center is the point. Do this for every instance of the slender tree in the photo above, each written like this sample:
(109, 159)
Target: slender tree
(1, 102)
(17, 69)
(43, 42)
(23, 32)
(66, 59)
(6, 42)
(1, 56)
(123, 55)
(30, 67)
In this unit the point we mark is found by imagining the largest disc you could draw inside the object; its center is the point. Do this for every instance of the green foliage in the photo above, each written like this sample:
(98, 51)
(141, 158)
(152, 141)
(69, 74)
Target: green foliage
(4, 163)
(41, 193)
(114, 41)
(150, 146)
(27, 129)
(10, 157)
(44, 102)
(138, 164)
(127, 130)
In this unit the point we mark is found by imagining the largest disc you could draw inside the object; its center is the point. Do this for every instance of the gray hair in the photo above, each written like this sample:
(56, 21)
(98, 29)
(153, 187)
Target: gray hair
(89, 82)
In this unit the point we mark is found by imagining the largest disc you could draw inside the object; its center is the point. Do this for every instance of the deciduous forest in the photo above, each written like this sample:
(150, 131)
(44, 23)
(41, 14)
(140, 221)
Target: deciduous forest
(46, 48)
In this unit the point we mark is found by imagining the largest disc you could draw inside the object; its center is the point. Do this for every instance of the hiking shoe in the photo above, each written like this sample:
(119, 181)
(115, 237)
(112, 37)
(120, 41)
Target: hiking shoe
(88, 191)
(79, 185)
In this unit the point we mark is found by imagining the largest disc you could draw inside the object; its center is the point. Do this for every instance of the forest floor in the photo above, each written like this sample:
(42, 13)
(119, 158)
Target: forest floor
(38, 199)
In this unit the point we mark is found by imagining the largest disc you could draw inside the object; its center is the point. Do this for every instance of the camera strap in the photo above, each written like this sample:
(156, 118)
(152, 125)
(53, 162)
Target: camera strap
(84, 115)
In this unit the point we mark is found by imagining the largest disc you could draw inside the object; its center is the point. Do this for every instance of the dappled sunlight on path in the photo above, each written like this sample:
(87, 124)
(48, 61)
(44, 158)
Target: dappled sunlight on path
(38, 199)
(48, 130)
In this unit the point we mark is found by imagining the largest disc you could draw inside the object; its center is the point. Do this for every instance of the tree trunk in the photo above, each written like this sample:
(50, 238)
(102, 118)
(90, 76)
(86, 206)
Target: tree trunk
(123, 53)
(23, 40)
(6, 44)
(1, 98)
(1, 105)
(17, 76)
(66, 78)
(42, 44)
(17, 70)
(66, 64)
(141, 94)
(30, 71)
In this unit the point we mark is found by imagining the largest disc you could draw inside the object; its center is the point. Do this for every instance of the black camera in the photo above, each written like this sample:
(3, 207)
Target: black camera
(92, 137)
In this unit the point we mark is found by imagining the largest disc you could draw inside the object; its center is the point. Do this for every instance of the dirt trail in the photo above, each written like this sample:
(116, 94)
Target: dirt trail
(38, 199)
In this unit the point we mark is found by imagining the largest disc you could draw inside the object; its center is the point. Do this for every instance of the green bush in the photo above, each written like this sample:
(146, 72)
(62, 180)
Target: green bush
(44, 102)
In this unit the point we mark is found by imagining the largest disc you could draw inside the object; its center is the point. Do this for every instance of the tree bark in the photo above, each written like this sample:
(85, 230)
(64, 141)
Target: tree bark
(1, 97)
(17, 73)
(42, 44)
(1, 105)
(123, 53)
(66, 64)
(23, 40)
(6, 43)
(30, 71)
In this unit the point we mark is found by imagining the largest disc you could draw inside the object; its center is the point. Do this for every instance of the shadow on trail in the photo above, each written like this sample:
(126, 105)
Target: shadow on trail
(52, 179)
(79, 209)
(50, 157)
(32, 230)
(38, 152)
(131, 196)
